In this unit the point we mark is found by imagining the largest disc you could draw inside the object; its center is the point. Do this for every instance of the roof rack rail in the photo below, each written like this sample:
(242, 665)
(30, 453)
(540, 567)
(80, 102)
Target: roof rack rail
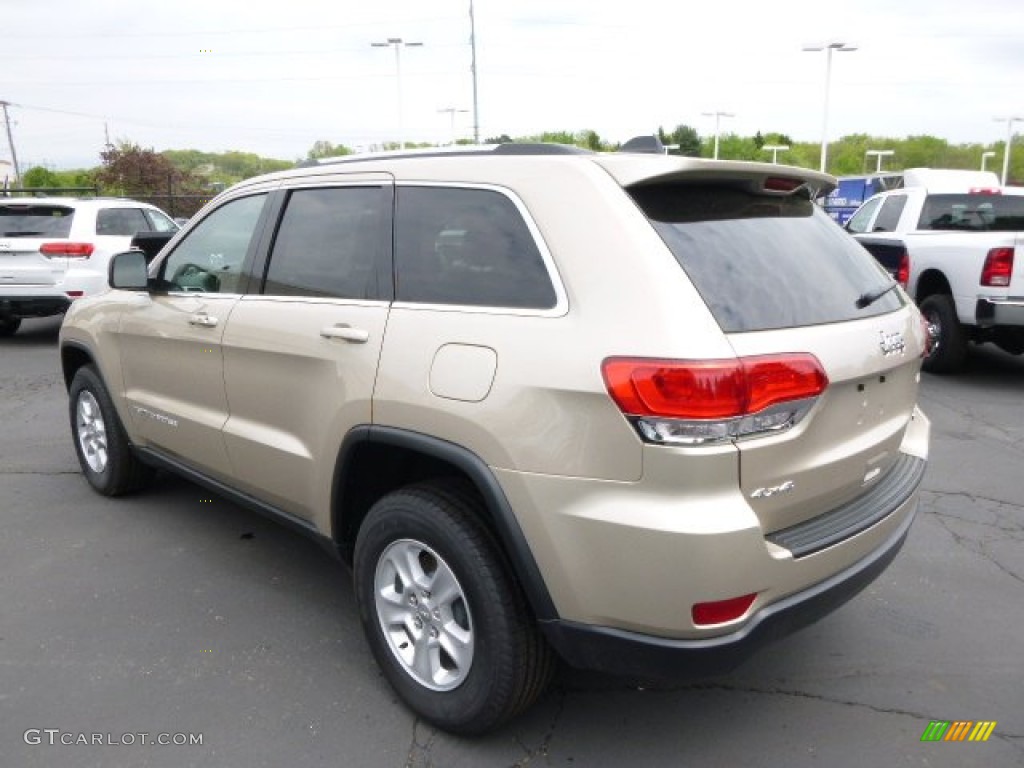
(540, 148)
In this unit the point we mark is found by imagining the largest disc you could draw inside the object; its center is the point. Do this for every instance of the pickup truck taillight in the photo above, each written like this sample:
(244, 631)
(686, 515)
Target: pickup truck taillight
(706, 401)
(998, 266)
(67, 250)
(903, 271)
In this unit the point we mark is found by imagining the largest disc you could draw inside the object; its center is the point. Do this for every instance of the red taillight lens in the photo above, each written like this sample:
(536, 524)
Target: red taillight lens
(711, 389)
(722, 611)
(781, 184)
(67, 250)
(903, 271)
(998, 267)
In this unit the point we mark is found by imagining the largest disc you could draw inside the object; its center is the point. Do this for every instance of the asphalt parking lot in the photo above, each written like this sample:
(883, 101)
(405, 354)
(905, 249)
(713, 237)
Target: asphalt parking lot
(176, 613)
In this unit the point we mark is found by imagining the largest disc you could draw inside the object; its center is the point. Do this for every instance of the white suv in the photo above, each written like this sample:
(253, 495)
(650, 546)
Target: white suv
(54, 250)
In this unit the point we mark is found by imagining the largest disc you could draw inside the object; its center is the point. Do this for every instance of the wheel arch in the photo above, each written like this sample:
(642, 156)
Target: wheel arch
(375, 460)
(72, 357)
(931, 282)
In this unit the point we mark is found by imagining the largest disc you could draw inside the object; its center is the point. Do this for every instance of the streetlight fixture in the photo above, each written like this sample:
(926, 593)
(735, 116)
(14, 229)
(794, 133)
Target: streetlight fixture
(451, 112)
(984, 157)
(775, 149)
(398, 43)
(1009, 141)
(828, 48)
(878, 154)
(718, 123)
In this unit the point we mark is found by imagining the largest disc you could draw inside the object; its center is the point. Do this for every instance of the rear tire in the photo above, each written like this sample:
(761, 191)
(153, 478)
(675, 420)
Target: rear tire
(447, 624)
(103, 449)
(9, 326)
(950, 344)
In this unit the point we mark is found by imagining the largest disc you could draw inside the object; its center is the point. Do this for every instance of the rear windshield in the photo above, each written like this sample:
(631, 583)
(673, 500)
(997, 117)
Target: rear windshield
(973, 213)
(762, 262)
(35, 220)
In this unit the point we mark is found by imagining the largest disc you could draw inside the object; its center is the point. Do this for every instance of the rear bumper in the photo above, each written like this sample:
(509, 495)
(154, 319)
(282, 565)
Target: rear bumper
(646, 656)
(991, 313)
(33, 306)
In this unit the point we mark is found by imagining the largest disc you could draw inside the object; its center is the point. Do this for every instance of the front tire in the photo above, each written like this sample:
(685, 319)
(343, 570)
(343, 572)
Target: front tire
(103, 449)
(950, 342)
(446, 623)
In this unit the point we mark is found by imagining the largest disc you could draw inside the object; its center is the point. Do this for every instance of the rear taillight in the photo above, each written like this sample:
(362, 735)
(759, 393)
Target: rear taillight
(701, 401)
(903, 271)
(67, 250)
(998, 267)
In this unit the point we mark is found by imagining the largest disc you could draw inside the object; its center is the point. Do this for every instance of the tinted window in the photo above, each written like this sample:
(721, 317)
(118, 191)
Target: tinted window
(211, 256)
(120, 221)
(858, 223)
(329, 244)
(889, 216)
(467, 246)
(35, 220)
(764, 262)
(975, 213)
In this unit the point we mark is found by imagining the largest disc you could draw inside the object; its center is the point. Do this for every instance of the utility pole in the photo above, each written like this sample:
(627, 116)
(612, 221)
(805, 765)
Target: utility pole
(10, 140)
(472, 45)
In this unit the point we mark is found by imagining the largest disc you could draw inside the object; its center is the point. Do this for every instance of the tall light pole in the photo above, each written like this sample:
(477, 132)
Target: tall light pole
(718, 123)
(984, 158)
(1009, 141)
(398, 43)
(472, 46)
(828, 48)
(775, 149)
(878, 154)
(451, 112)
(10, 140)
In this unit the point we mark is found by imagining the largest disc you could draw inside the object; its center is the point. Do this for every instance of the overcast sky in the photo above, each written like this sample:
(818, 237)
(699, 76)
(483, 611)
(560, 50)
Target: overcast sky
(274, 77)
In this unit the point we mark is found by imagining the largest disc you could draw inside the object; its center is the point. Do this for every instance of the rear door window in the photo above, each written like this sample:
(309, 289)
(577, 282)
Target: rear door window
(330, 243)
(35, 220)
(467, 247)
(762, 262)
(123, 222)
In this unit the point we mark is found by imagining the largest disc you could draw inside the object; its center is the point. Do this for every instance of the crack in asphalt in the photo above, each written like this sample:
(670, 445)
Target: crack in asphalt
(1011, 738)
(1002, 435)
(419, 755)
(1006, 524)
(545, 744)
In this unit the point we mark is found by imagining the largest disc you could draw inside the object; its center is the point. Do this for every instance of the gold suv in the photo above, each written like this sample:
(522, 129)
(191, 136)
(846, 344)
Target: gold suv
(643, 413)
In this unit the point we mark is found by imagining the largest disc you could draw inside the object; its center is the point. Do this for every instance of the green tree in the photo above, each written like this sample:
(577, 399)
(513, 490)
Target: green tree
(322, 149)
(685, 136)
(40, 177)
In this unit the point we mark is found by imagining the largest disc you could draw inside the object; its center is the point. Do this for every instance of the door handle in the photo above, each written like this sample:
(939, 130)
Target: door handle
(203, 320)
(346, 332)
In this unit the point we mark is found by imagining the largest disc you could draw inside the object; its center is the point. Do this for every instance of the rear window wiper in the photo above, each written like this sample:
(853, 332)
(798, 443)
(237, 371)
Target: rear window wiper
(869, 298)
(15, 233)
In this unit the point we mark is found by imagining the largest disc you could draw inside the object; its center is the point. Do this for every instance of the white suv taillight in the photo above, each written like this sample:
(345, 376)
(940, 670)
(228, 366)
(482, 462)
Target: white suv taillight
(997, 268)
(694, 402)
(67, 250)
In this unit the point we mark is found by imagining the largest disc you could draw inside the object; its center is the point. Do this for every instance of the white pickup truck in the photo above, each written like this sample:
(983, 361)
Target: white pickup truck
(953, 251)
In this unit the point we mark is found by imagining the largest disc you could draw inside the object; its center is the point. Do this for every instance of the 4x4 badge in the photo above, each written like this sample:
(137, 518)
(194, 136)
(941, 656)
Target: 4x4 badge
(892, 343)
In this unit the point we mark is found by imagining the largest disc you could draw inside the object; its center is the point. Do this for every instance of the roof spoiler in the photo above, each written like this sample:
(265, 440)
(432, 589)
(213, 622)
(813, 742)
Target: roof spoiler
(647, 145)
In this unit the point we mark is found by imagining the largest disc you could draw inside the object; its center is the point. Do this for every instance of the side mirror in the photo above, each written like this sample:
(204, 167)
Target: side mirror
(128, 271)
